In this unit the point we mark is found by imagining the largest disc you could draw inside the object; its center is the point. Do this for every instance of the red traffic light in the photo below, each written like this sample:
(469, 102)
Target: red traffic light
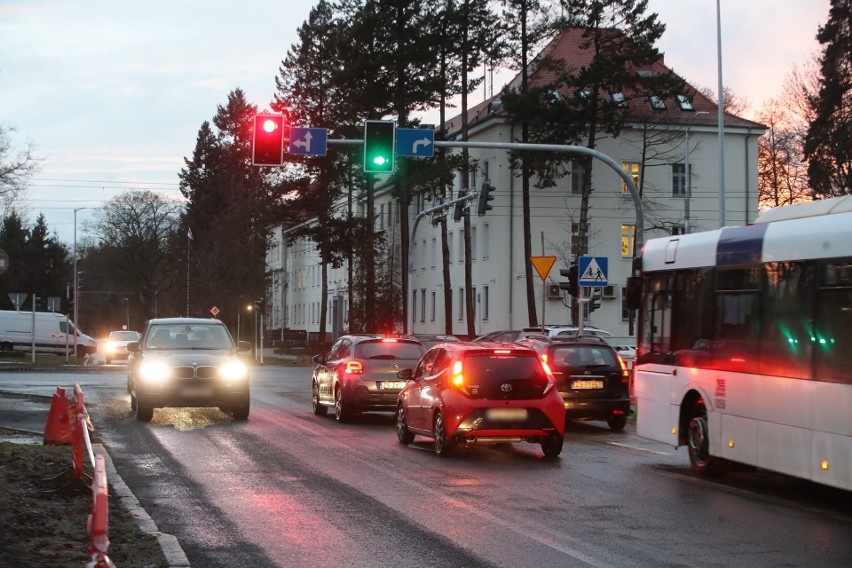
(268, 140)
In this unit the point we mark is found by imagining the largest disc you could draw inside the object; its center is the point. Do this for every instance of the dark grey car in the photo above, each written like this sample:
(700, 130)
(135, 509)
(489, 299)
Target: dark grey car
(187, 362)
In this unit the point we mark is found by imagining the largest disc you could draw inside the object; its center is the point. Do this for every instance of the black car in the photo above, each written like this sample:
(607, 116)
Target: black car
(358, 374)
(187, 362)
(591, 377)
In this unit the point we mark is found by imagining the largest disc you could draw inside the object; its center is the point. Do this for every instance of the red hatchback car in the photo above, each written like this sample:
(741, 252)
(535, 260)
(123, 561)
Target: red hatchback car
(467, 392)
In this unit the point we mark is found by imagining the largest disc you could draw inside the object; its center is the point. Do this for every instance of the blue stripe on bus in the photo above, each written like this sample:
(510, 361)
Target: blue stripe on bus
(740, 245)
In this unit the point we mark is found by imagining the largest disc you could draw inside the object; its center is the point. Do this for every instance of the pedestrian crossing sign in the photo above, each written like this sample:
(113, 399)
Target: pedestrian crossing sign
(593, 271)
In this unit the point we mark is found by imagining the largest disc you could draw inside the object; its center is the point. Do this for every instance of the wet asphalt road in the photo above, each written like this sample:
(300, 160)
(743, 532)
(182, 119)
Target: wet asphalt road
(288, 488)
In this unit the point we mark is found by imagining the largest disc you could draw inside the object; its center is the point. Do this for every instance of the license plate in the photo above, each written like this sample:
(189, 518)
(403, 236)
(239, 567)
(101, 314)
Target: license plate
(196, 392)
(586, 385)
(512, 414)
(391, 385)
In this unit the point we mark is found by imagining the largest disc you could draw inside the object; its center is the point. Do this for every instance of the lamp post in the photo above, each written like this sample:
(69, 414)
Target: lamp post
(76, 298)
(688, 174)
(721, 118)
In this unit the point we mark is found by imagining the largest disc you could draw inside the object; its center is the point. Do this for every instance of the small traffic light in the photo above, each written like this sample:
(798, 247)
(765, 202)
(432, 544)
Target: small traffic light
(379, 146)
(268, 140)
(595, 300)
(458, 212)
(484, 197)
(572, 285)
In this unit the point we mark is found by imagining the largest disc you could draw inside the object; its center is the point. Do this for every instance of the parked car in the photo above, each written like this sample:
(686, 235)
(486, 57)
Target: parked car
(115, 346)
(567, 331)
(593, 380)
(187, 362)
(359, 374)
(470, 392)
(507, 335)
(431, 340)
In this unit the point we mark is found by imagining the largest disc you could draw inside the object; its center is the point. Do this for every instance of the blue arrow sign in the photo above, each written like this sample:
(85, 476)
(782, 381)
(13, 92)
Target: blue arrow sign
(592, 271)
(308, 141)
(418, 142)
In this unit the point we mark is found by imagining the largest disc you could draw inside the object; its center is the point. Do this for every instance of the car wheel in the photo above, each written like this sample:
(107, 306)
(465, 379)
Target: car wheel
(552, 446)
(698, 442)
(444, 445)
(144, 412)
(132, 400)
(240, 410)
(319, 409)
(342, 410)
(617, 422)
(402, 432)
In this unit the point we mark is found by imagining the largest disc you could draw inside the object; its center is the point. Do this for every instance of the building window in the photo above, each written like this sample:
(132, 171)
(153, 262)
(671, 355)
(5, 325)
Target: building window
(625, 313)
(657, 103)
(424, 255)
(473, 243)
(461, 304)
(486, 241)
(578, 175)
(423, 305)
(450, 246)
(413, 306)
(632, 169)
(434, 250)
(628, 239)
(618, 99)
(381, 216)
(678, 180)
(485, 303)
(475, 302)
(684, 102)
(461, 245)
(434, 300)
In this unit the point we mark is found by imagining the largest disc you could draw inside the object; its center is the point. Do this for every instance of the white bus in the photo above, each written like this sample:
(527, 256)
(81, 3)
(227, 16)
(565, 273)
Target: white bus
(745, 343)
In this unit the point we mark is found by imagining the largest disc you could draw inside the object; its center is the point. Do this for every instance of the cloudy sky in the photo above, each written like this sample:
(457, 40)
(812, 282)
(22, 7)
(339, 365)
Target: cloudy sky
(112, 94)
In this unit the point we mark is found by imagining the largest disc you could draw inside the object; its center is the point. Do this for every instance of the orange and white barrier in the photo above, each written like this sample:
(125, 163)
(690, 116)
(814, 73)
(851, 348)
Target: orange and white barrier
(69, 423)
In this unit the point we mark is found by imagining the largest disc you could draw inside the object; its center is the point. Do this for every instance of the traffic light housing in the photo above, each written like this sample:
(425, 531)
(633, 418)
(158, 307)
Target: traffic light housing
(572, 285)
(595, 300)
(379, 146)
(268, 140)
(484, 197)
(458, 211)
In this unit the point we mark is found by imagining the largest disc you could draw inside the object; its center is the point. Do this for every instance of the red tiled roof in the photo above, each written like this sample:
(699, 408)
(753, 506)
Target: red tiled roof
(566, 47)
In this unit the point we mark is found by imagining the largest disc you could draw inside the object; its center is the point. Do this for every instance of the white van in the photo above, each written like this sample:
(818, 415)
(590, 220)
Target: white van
(51, 331)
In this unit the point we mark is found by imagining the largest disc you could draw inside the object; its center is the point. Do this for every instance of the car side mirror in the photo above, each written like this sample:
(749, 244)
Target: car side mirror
(404, 374)
(318, 359)
(243, 346)
(133, 347)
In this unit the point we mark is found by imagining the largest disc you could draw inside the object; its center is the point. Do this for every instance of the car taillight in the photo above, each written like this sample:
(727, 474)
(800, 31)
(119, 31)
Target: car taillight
(625, 373)
(457, 378)
(388, 340)
(544, 357)
(551, 380)
(354, 368)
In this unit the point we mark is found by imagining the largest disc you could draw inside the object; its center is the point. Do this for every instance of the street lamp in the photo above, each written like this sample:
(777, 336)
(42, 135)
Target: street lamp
(687, 174)
(248, 309)
(720, 117)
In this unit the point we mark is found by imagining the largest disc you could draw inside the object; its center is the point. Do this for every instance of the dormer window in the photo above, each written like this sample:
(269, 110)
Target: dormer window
(618, 99)
(657, 103)
(685, 102)
(586, 94)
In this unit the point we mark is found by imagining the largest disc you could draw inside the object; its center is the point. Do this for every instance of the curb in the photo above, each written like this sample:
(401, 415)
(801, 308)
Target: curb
(169, 544)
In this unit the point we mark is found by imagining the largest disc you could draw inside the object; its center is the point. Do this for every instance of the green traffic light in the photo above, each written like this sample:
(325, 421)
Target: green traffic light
(379, 146)
(379, 160)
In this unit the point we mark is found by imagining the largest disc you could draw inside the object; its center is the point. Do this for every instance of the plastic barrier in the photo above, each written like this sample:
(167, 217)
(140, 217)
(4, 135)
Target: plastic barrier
(61, 420)
(80, 434)
(98, 523)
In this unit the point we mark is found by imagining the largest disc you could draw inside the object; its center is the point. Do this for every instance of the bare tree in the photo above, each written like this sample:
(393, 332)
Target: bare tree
(782, 171)
(16, 167)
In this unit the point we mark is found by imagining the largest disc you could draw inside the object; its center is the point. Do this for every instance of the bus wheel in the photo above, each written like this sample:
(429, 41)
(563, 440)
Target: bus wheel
(698, 441)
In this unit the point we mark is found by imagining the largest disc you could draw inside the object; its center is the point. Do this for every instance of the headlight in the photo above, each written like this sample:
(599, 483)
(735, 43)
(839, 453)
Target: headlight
(233, 371)
(154, 371)
(110, 347)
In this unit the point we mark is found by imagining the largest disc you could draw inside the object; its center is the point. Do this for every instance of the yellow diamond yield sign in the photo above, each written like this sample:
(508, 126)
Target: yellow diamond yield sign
(542, 265)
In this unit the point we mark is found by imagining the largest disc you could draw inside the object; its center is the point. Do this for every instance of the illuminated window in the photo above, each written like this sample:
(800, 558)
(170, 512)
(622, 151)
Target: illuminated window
(628, 239)
(632, 169)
